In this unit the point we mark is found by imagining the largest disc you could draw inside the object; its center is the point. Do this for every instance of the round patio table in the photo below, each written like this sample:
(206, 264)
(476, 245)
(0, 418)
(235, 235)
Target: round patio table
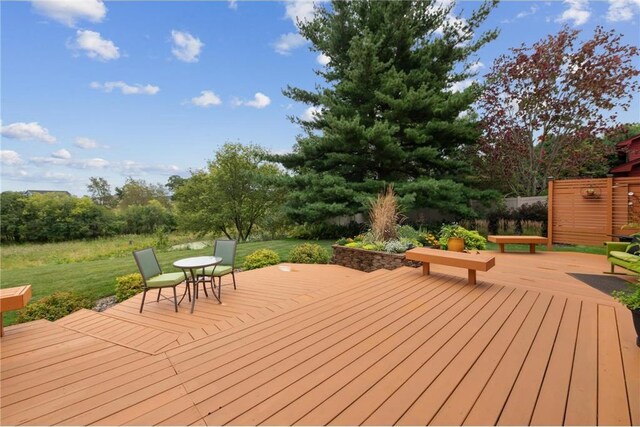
(190, 267)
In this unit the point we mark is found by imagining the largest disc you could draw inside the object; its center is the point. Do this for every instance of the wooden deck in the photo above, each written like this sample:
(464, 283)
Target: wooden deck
(327, 345)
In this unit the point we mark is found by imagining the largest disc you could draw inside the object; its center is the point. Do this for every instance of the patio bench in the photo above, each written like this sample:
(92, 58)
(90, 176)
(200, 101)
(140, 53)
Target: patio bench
(13, 299)
(472, 262)
(532, 241)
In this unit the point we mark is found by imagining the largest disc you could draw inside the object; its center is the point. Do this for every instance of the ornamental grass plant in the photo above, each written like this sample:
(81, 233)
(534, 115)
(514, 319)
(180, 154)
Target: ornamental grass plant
(384, 215)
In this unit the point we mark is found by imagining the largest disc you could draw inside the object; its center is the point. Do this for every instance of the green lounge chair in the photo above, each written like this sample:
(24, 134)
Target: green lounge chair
(152, 275)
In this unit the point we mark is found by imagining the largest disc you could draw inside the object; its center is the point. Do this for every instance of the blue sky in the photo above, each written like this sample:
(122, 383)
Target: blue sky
(151, 89)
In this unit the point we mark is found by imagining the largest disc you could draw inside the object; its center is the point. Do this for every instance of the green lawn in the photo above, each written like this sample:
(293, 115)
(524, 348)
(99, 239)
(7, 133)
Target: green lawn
(96, 278)
(600, 250)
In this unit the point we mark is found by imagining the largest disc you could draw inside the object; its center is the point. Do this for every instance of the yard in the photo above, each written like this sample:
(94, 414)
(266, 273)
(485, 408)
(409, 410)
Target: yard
(90, 268)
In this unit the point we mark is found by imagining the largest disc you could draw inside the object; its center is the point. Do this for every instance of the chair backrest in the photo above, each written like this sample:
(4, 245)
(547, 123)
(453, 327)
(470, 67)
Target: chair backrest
(147, 263)
(225, 249)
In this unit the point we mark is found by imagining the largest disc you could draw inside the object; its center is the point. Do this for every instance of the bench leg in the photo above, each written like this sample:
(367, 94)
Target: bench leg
(532, 248)
(501, 248)
(472, 277)
(426, 270)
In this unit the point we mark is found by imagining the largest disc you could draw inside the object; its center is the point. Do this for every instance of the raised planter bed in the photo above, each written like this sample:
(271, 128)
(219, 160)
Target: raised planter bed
(364, 260)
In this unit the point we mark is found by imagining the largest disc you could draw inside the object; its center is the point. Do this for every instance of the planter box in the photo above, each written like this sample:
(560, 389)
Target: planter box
(363, 260)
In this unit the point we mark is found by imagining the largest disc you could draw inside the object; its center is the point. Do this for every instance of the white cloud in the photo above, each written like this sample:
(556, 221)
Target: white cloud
(323, 59)
(311, 113)
(260, 100)
(299, 10)
(87, 143)
(233, 4)
(475, 67)
(531, 11)
(61, 154)
(622, 10)
(129, 167)
(206, 99)
(125, 88)
(185, 46)
(461, 86)
(27, 132)
(68, 12)
(578, 12)
(10, 157)
(95, 163)
(287, 42)
(94, 46)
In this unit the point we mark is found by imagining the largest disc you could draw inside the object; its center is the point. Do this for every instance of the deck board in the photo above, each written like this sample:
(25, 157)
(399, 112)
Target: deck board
(325, 345)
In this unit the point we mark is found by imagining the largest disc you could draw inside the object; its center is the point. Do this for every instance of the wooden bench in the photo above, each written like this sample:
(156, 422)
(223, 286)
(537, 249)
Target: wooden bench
(13, 299)
(532, 241)
(472, 262)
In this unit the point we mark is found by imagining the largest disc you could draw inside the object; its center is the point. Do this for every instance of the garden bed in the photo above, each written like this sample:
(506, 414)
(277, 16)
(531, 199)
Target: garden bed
(366, 260)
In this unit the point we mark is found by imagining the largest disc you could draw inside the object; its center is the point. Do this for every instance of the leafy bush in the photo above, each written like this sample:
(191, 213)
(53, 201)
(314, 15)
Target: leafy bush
(260, 258)
(53, 307)
(377, 246)
(353, 245)
(309, 253)
(629, 298)
(429, 239)
(408, 232)
(472, 239)
(395, 247)
(128, 286)
(325, 231)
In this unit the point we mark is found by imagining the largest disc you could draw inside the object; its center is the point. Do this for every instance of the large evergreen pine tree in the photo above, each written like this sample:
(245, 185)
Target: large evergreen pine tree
(388, 112)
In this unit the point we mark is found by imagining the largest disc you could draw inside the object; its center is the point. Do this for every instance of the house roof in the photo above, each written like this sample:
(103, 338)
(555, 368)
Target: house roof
(627, 167)
(627, 142)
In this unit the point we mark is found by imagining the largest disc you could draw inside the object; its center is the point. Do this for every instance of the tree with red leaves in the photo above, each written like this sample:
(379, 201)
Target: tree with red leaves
(547, 108)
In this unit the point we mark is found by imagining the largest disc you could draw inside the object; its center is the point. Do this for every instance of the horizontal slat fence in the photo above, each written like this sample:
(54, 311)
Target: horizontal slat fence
(590, 211)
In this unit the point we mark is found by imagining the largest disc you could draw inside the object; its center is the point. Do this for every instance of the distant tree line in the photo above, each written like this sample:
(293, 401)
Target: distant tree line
(136, 208)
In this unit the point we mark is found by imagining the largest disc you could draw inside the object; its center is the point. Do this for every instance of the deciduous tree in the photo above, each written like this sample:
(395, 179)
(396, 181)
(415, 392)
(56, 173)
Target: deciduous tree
(238, 190)
(547, 109)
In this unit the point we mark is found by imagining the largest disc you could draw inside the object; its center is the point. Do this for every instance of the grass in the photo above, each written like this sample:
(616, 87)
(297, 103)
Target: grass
(95, 278)
(33, 255)
(598, 250)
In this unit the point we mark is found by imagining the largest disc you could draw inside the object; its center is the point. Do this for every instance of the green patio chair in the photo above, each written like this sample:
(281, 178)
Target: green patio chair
(225, 249)
(153, 278)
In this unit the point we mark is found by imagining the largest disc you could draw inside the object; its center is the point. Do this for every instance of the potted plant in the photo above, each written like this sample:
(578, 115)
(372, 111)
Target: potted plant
(631, 299)
(452, 236)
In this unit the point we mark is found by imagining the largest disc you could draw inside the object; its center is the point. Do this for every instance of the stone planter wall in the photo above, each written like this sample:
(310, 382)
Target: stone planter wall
(363, 260)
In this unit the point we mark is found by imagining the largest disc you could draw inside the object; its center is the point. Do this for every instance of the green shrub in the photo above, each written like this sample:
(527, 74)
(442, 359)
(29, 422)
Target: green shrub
(128, 286)
(309, 253)
(395, 247)
(630, 298)
(53, 307)
(472, 239)
(260, 258)
(353, 245)
(408, 232)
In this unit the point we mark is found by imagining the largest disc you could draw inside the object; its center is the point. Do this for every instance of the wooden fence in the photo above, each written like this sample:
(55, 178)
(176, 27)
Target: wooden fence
(590, 211)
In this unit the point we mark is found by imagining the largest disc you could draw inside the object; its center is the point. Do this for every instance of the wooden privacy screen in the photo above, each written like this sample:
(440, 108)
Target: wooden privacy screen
(589, 211)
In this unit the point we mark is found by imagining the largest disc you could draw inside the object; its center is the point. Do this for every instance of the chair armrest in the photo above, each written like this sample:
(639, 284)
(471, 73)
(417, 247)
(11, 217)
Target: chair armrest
(616, 246)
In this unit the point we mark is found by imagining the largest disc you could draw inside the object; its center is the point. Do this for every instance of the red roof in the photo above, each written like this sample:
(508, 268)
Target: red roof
(627, 142)
(627, 167)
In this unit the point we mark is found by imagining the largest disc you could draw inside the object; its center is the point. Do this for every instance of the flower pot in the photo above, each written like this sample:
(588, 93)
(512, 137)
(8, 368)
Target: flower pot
(455, 244)
(636, 323)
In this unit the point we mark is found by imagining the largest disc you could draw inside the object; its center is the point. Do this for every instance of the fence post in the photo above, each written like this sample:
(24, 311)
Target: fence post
(610, 205)
(550, 213)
